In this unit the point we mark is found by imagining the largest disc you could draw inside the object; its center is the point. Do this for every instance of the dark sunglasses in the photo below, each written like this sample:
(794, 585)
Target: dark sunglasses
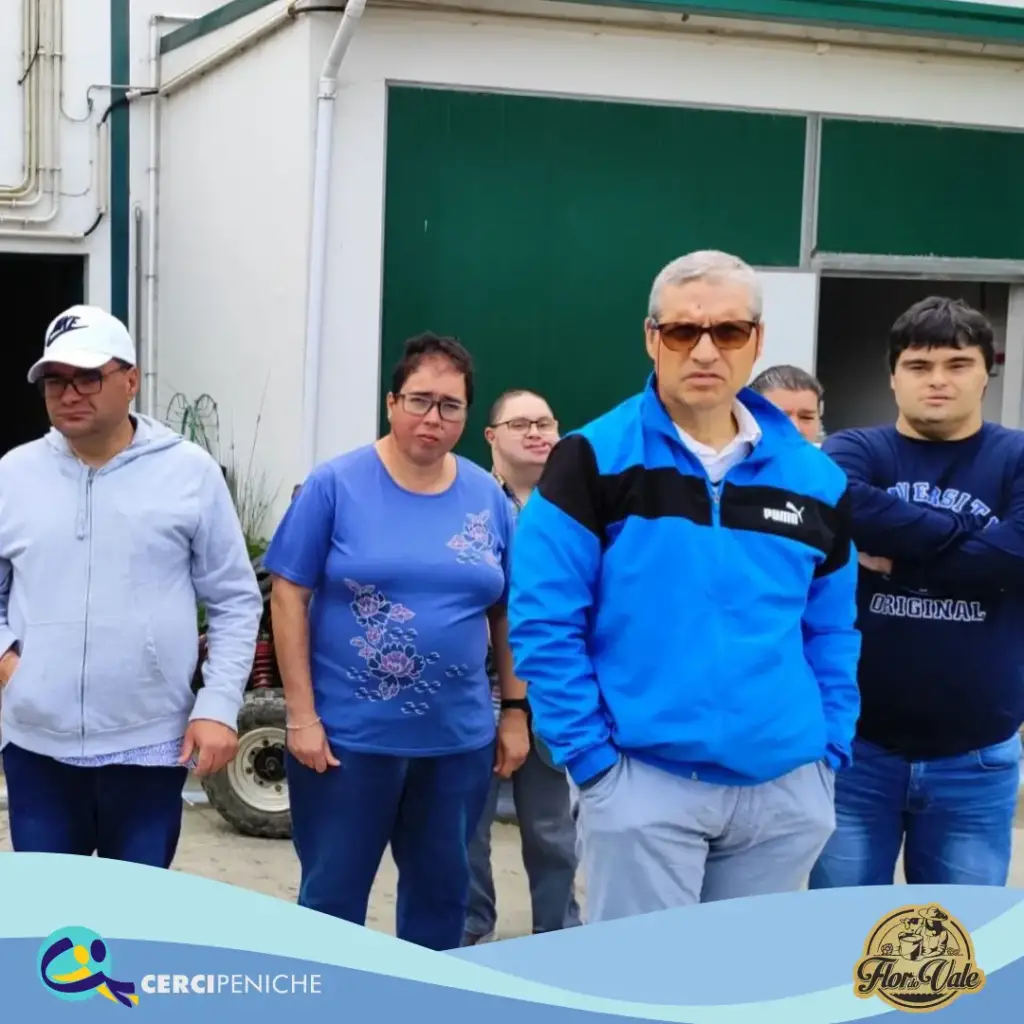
(727, 335)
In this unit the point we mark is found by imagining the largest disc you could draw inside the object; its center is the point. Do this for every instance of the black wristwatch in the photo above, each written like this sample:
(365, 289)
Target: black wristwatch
(515, 704)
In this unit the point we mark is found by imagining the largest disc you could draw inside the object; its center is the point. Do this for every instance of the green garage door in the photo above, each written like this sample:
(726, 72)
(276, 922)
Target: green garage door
(531, 228)
(917, 190)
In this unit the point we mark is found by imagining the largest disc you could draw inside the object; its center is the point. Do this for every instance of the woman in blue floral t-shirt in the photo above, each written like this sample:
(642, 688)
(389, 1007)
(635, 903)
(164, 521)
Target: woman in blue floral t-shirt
(389, 567)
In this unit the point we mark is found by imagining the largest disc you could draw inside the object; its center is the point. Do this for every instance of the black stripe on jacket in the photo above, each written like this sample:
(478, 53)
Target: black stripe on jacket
(572, 482)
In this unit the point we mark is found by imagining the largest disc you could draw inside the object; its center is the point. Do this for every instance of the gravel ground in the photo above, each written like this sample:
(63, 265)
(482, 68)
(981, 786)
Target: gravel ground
(211, 848)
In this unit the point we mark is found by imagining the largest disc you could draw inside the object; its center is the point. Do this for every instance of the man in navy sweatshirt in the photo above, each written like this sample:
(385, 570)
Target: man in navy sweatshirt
(682, 610)
(938, 508)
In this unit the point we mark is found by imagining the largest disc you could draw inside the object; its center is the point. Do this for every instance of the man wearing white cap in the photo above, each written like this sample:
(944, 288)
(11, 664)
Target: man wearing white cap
(111, 528)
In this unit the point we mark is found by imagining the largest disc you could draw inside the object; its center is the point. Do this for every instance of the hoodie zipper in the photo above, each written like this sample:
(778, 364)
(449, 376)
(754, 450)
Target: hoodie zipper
(88, 599)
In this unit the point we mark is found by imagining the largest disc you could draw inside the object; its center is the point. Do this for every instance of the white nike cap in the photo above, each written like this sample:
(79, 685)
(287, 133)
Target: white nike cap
(85, 337)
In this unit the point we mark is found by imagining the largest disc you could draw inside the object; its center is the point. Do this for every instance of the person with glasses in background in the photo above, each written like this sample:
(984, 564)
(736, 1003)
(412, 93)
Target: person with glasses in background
(112, 527)
(389, 569)
(683, 613)
(522, 431)
(798, 394)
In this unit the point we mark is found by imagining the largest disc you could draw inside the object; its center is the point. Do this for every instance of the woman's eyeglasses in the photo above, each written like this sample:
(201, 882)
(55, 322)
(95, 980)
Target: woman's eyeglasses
(447, 408)
(521, 425)
(728, 335)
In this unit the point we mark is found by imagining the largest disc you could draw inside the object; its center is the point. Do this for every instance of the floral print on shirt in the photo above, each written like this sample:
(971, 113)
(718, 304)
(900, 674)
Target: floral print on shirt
(388, 647)
(476, 542)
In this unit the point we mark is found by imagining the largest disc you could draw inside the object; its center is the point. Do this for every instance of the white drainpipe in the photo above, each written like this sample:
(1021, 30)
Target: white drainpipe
(319, 227)
(149, 318)
(152, 300)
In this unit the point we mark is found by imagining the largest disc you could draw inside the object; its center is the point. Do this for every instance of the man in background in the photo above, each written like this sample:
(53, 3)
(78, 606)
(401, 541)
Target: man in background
(521, 431)
(798, 394)
(938, 516)
(111, 527)
(682, 612)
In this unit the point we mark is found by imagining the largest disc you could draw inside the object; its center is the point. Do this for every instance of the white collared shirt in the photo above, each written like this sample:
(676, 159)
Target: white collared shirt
(717, 464)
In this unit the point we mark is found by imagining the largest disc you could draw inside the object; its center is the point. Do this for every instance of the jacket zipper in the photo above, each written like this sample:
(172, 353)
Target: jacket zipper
(715, 493)
(88, 600)
(716, 508)
(719, 644)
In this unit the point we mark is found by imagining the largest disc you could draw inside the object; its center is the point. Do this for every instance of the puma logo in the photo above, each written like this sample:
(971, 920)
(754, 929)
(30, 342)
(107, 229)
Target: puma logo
(790, 515)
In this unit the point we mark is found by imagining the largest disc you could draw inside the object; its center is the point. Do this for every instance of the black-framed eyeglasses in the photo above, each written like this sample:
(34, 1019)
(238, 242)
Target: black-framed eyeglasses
(86, 383)
(727, 335)
(449, 409)
(520, 425)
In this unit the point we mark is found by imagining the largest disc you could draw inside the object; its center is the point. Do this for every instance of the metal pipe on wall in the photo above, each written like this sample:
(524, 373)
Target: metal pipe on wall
(29, 190)
(151, 320)
(43, 74)
(322, 167)
(138, 284)
(33, 229)
(149, 331)
(46, 41)
(50, 168)
(162, 90)
(137, 295)
(226, 53)
(50, 171)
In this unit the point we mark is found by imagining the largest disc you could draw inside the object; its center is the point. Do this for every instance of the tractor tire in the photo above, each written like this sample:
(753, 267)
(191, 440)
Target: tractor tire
(251, 792)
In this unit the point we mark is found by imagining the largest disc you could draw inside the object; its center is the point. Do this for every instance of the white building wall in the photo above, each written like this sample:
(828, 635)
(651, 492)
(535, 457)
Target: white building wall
(235, 157)
(168, 16)
(80, 153)
(587, 60)
(236, 160)
(235, 200)
(38, 226)
(236, 151)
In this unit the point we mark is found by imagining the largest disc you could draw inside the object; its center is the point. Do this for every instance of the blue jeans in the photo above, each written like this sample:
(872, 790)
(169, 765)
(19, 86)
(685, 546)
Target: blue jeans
(123, 812)
(953, 815)
(425, 807)
(548, 835)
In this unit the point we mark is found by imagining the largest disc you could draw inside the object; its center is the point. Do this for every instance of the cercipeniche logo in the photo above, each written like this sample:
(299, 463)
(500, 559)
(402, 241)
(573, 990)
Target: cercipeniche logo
(75, 964)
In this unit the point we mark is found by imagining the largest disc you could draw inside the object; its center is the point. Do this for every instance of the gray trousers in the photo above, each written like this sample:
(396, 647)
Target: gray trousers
(541, 795)
(653, 841)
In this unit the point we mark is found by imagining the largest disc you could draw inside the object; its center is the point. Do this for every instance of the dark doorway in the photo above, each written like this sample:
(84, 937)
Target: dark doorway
(33, 290)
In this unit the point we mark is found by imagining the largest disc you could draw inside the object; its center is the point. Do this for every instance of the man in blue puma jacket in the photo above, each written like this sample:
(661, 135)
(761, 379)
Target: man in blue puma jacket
(682, 611)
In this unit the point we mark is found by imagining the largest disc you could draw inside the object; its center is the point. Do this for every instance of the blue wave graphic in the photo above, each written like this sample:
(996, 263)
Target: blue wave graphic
(781, 945)
(356, 995)
(787, 958)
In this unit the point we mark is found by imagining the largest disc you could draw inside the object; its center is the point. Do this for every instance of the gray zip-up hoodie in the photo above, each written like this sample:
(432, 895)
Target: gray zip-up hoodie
(100, 571)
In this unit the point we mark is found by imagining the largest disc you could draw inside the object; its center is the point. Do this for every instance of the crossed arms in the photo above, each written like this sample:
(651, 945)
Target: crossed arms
(931, 548)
